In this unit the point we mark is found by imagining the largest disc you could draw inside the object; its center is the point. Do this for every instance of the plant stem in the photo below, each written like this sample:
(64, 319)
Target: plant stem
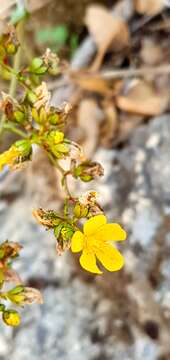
(15, 130)
(64, 175)
(14, 70)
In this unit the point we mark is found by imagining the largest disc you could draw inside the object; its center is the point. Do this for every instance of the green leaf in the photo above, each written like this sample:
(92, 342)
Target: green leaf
(57, 230)
(16, 290)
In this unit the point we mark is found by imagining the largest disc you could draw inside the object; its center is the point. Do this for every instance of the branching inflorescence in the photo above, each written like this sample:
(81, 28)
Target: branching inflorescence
(36, 122)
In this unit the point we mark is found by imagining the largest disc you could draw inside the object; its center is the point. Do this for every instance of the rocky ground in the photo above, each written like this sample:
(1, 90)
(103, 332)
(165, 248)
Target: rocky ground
(117, 316)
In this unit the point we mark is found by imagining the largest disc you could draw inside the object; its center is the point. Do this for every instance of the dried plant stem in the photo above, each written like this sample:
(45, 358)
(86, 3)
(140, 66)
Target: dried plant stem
(114, 74)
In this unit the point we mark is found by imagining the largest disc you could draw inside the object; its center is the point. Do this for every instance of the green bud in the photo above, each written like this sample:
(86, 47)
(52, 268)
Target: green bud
(2, 307)
(67, 232)
(24, 147)
(19, 116)
(80, 210)
(35, 64)
(11, 317)
(54, 119)
(42, 70)
(31, 96)
(62, 148)
(11, 49)
(86, 178)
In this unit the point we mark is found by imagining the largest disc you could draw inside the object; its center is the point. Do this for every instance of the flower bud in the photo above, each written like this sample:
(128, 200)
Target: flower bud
(19, 116)
(25, 149)
(11, 317)
(31, 97)
(37, 67)
(56, 144)
(80, 210)
(88, 171)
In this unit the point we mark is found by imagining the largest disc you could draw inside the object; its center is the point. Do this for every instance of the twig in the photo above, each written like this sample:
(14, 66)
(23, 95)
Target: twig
(114, 74)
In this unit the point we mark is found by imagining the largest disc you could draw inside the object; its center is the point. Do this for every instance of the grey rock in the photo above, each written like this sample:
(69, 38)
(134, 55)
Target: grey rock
(93, 318)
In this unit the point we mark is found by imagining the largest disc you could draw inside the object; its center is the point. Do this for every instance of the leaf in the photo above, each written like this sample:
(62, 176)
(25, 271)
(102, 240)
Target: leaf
(91, 83)
(106, 30)
(149, 7)
(89, 116)
(11, 275)
(142, 99)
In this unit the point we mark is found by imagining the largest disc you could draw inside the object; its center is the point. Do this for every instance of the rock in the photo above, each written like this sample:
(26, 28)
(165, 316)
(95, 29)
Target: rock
(117, 316)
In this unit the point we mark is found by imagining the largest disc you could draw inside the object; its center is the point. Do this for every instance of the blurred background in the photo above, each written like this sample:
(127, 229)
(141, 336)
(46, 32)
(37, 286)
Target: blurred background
(117, 57)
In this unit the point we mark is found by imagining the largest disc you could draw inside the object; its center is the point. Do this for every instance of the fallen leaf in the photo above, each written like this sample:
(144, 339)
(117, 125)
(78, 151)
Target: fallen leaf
(141, 98)
(91, 83)
(151, 52)
(89, 117)
(106, 30)
(149, 7)
(110, 124)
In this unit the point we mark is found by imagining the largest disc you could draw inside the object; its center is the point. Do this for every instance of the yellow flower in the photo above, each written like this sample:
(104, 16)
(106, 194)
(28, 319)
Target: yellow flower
(95, 243)
(9, 157)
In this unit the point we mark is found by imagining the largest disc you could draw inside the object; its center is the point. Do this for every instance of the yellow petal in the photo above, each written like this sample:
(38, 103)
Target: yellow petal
(110, 257)
(88, 262)
(111, 232)
(77, 242)
(93, 225)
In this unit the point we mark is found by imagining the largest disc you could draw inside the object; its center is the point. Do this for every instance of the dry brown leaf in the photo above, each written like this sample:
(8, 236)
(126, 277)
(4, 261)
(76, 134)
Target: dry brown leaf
(91, 83)
(151, 52)
(89, 117)
(110, 124)
(106, 30)
(141, 98)
(149, 7)
(32, 296)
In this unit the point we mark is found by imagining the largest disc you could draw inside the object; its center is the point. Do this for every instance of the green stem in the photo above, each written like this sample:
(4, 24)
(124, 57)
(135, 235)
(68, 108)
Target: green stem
(15, 130)
(64, 175)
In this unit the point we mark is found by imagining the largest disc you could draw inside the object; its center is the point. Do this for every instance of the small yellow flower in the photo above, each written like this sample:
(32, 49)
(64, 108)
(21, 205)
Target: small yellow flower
(95, 243)
(9, 157)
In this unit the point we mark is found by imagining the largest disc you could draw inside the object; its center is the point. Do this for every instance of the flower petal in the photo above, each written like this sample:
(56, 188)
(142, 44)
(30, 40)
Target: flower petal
(77, 242)
(93, 224)
(110, 257)
(111, 232)
(88, 262)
